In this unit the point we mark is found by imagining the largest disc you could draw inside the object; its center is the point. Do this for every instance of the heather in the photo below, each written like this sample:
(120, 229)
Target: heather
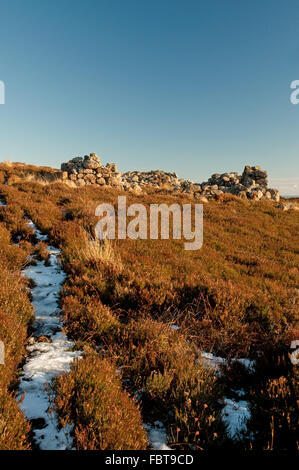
(236, 297)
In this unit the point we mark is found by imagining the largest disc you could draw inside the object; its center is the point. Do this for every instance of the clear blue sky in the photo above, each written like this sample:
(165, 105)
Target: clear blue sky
(190, 86)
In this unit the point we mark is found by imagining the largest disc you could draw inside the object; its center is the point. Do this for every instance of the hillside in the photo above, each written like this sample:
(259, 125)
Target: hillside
(185, 349)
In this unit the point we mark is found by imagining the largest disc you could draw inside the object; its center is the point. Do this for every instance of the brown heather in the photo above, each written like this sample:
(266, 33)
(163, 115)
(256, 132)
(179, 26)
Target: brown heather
(16, 314)
(236, 297)
(105, 417)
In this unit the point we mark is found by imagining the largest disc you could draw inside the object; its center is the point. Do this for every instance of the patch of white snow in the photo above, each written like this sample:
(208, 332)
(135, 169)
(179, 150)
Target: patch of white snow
(157, 436)
(235, 415)
(46, 359)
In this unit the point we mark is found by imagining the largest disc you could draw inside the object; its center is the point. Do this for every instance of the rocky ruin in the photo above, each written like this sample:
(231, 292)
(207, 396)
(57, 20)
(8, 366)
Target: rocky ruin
(251, 184)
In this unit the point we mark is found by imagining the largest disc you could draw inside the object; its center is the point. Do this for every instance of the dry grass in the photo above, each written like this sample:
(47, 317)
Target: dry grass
(14, 428)
(16, 315)
(171, 381)
(97, 251)
(91, 398)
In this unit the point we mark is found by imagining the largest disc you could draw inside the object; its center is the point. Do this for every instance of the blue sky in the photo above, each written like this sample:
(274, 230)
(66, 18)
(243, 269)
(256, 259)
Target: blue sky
(195, 87)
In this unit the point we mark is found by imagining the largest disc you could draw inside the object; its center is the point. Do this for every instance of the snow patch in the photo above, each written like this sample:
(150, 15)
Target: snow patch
(157, 436)
(46, 359)
(235, 415)
(210, 360)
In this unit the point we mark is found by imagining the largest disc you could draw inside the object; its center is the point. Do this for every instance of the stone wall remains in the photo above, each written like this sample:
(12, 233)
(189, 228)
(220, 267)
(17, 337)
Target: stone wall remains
(251, 184)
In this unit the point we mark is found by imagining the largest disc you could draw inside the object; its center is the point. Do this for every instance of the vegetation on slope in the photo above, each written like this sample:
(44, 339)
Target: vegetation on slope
(16, 314)
(236, 297)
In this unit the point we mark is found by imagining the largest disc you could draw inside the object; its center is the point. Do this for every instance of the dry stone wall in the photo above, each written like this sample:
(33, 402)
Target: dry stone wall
(251, 184)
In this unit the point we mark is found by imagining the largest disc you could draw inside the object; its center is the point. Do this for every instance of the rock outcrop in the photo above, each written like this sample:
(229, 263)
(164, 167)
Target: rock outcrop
(251, 184)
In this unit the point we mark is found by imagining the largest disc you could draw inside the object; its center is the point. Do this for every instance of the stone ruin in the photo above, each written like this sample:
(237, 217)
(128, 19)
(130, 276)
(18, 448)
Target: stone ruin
(251, 184)
(89, 170)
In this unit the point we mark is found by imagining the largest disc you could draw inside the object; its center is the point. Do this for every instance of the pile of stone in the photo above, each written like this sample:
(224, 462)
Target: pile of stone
(89, 170)
(251, 184)
(155, 179)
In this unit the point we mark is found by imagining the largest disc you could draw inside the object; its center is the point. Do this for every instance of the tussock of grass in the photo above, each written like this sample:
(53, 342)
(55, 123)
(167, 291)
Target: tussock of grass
(94, 251)
(274, 404)
(173, 383)
(14, 429)
(104, 416)
(87, 318)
